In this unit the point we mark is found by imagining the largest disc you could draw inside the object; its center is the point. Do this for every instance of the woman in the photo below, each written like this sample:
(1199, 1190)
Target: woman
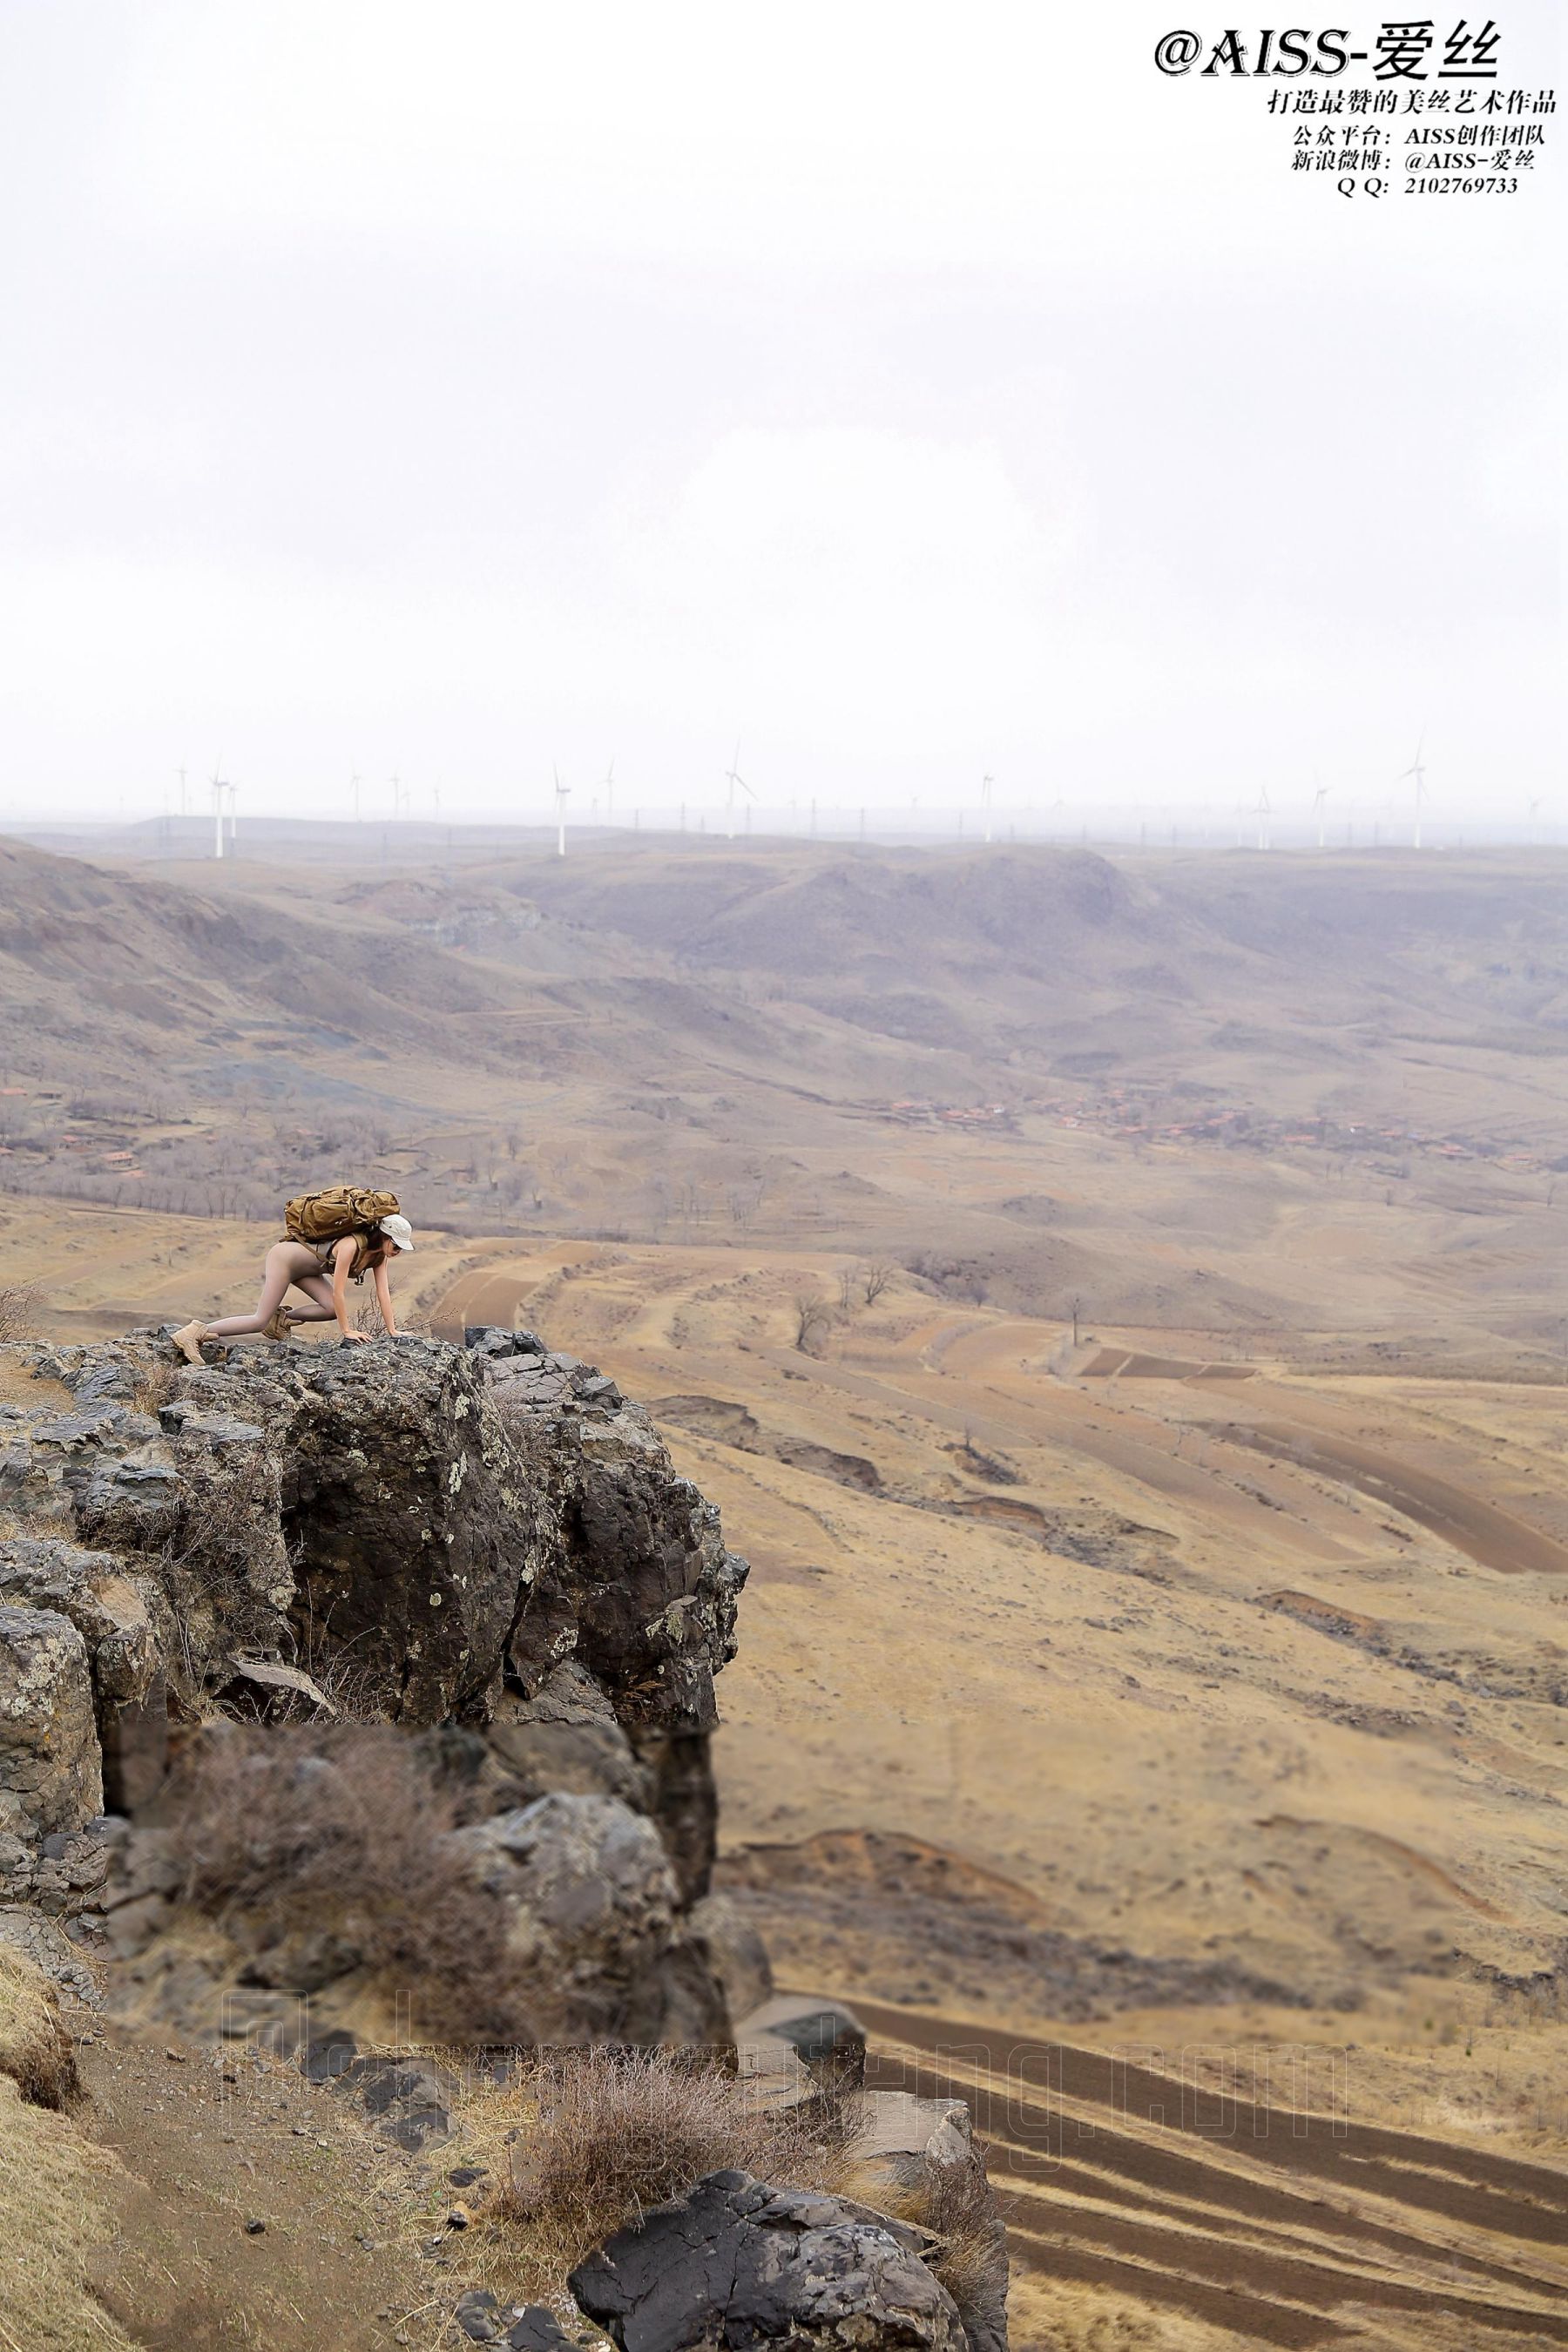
(323, 1271)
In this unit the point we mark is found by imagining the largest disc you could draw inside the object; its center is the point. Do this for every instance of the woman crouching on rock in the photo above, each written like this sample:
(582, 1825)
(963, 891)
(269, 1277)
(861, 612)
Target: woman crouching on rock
(323, 1271)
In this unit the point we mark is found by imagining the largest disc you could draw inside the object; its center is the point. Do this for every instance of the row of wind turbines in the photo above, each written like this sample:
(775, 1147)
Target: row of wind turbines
(1263, 808)
(734, 781)
(741, 796)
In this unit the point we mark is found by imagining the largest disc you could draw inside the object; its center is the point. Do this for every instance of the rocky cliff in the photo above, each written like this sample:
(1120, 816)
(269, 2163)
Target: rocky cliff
(322, 1668)
(485, 1546)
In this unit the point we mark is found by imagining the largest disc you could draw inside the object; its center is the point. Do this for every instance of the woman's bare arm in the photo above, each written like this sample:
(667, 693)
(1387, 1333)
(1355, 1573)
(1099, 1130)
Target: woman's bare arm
(342, 1259)
(383, 1299)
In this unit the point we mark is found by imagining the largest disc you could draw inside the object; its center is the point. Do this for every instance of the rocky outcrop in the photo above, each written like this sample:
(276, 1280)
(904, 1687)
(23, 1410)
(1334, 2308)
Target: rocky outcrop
(595, 1906)
(50, 1777)
(113, 1613)
(737, 2262)
(487, 1549)
(487, 1546)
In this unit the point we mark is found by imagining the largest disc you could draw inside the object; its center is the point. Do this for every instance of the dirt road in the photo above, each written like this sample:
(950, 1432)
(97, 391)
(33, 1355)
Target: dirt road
(1489, 1536)
(487, 1295)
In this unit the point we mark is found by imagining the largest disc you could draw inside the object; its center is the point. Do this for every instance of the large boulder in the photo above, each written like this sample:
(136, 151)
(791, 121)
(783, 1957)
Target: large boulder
(736, 2263)
(595, 1924)
(919, 2157)
(654, 1589)
(358, 1503)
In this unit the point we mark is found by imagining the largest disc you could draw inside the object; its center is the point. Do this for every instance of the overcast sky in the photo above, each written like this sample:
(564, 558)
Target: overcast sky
(910, 391)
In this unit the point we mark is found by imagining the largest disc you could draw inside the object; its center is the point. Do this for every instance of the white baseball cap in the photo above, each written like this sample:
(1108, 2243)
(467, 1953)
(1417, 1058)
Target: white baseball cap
(398, 1231)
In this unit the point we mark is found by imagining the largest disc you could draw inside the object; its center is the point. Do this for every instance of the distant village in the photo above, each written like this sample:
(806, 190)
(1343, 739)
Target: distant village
(1140, 1114)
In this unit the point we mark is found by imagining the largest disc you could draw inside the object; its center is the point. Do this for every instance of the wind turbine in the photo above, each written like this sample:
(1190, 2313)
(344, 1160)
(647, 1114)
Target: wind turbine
(354, 782)
(610, 793)
(218, 789)
(985, 783)
(562, 795)
(1320, 796)
(182, 776)
(1262, 812)
(1533, 828)
(1416, 770)
(732, 777)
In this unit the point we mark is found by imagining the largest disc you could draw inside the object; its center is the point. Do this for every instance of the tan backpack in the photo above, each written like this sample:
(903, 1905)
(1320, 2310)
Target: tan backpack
(342, 1209)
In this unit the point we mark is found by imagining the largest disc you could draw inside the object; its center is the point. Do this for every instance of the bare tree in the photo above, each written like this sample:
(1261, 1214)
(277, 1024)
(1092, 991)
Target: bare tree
(875, 1279)
(812, 1314)
(1075, 1309)
(848, 1282)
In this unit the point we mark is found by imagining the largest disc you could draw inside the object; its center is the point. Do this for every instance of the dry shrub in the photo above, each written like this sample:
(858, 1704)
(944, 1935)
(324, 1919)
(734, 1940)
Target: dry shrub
(953, 2201)
(52, 2217)
(35, 2050)
(618, 2132)
(157, 1384)
(368, 1319)
(20, 1306)
(326, 1846)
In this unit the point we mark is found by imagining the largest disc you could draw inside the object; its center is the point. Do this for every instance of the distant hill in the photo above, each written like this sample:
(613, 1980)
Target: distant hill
(796, 973)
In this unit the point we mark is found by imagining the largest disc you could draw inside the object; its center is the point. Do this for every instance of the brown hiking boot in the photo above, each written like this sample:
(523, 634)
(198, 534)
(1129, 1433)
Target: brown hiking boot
(278, 1323)
(189, 1340)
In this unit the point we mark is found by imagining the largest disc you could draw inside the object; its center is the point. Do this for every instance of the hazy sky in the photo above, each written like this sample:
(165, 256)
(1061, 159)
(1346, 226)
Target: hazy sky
(453, 390)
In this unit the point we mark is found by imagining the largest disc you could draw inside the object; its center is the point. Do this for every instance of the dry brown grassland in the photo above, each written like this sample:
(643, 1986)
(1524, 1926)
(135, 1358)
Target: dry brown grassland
(1158, 1630)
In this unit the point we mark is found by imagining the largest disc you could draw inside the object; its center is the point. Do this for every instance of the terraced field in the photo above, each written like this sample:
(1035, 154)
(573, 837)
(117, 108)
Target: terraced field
(1283, 2225)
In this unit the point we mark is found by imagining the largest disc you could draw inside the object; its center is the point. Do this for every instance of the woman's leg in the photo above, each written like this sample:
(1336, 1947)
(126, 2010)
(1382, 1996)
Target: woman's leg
(276, 1274)
(319, 1290)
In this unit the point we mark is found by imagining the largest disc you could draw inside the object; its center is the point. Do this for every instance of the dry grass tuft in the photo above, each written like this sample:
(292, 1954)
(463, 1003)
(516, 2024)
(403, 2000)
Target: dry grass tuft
(157, 1385)
(608, 2134)
(35, 2050)
(21, 1306)
(323, 1846)
(52, 2216)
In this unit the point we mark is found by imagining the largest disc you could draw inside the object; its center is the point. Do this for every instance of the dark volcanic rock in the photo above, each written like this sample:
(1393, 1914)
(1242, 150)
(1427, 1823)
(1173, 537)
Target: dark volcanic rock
(566, 1736)
(736, 2263)
(416, 1535)
(487, 1546)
